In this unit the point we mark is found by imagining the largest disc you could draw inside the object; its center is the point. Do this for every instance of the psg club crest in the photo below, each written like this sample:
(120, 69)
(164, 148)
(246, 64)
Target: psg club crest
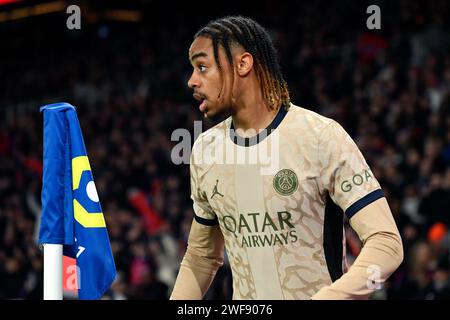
(285, 182)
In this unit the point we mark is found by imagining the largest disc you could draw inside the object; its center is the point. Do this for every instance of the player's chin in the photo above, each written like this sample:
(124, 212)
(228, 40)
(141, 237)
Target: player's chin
(210, 112)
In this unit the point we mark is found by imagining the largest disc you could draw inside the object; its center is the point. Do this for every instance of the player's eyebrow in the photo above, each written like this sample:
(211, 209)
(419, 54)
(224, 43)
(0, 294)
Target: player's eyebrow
(198, 55)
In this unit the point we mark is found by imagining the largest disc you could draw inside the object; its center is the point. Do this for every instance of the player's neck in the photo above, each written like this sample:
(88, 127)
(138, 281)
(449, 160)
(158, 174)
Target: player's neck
(252, 112)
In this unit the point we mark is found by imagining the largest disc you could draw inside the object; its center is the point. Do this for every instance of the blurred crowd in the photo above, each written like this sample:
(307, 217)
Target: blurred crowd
(389, 88)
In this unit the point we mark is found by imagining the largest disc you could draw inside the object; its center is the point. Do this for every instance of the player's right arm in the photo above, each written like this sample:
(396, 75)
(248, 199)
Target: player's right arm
(203, 257)
(205, 250)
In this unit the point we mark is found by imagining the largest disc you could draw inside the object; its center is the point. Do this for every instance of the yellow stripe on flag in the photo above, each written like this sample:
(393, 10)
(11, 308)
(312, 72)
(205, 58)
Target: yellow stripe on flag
(86, 219)
(79, 164)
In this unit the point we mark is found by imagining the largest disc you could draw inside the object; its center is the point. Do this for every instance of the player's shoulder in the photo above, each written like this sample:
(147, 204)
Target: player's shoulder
(307, 121)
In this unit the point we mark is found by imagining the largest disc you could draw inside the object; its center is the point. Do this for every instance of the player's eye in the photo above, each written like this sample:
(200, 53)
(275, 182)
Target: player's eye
(202, 68)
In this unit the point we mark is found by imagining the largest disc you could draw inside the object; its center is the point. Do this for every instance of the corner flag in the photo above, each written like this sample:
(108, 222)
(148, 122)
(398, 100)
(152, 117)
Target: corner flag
(71, 210)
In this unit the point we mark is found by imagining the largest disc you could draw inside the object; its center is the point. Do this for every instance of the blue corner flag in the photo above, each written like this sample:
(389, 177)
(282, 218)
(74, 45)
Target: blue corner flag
(71, 211)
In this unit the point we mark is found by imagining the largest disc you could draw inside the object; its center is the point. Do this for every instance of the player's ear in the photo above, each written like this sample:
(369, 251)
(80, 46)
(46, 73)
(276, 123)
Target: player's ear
(244, 64)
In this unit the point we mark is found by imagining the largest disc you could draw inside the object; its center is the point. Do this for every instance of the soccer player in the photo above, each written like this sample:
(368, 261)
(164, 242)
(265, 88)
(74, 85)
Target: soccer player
(282, 238)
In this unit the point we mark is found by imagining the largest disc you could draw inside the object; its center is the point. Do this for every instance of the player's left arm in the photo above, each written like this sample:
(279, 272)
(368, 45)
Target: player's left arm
(350, 183)
(380, 256)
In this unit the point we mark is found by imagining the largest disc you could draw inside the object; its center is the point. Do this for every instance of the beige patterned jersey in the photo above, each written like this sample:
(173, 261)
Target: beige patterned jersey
(269, 197)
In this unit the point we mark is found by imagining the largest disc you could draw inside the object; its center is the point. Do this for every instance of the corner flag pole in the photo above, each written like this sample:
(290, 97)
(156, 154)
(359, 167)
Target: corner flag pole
(53, 281)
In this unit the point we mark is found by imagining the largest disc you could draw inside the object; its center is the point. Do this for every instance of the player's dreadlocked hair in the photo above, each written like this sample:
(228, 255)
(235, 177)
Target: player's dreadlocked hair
(254, 39)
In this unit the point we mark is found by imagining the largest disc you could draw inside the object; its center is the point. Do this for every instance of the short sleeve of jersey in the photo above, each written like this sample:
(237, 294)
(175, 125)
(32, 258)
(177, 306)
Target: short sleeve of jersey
(204, 214)
(344, 172)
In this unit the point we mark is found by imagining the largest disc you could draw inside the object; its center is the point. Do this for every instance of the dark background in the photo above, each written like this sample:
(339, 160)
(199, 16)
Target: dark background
(126, 72)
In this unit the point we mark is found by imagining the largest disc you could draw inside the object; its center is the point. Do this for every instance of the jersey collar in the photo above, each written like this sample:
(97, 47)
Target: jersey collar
(248, 142)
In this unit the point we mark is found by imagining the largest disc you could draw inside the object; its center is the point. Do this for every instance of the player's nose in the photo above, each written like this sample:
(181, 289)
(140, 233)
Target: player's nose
(194, 81)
